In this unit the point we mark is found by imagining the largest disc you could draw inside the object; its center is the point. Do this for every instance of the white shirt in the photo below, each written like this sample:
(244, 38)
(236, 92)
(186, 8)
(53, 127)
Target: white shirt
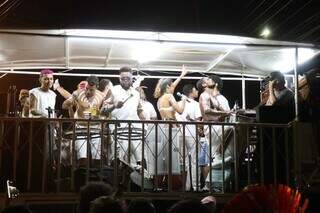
(45, 99)
(148, 110)
(129, 109)
(221, 102)
(191, 112)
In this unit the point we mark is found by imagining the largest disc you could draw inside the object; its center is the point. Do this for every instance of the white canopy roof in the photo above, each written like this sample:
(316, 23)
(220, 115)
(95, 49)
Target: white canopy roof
(160, 51)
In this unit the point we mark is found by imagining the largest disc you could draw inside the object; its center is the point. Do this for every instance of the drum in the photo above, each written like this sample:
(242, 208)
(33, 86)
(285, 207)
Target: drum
(135, 134)
(82, 132)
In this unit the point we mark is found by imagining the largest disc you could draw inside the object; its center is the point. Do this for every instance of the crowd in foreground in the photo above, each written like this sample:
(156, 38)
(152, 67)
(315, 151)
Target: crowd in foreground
(98, 197)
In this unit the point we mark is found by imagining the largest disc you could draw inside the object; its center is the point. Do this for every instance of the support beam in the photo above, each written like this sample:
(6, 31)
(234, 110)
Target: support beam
(296, 97)
(218, 60)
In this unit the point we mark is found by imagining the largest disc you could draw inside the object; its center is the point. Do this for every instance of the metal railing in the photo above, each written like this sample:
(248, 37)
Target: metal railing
(42, 155)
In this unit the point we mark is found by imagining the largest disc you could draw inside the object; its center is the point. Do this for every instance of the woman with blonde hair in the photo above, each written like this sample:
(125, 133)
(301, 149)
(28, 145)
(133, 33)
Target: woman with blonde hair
(167, 106)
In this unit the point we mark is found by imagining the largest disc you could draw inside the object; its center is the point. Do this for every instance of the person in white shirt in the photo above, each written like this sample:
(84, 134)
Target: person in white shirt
(191, 112)
(149, 111)
(43, 98)
(149, 114)
(124, 104)
(42, 105)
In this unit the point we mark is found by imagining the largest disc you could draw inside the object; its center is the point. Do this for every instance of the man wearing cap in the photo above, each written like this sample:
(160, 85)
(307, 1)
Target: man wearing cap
(42, 98)
(88, 102)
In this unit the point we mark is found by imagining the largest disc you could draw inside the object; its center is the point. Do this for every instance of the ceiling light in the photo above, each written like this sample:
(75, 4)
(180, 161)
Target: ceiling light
(147, 51)
(265, 32)
(287, 58)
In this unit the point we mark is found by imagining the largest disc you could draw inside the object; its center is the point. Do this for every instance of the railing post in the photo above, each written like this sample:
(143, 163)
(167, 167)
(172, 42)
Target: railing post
(45, 157)
(296, 156)
(59, 157)
(210, 158)
(142, 158)
(261, 155)
(197, 158)
(156, 156)
(184, 158)
(89, 157)
(30, 140)
(170, 159)
(274, 157)
(102, 141)
(222, 148)
(16, 147)
(236, 157)
(73, 154)
(115, 135)
(248, 156)
(287, 155)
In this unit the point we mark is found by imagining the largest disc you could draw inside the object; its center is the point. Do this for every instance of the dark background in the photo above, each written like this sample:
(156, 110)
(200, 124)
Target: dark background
(293, 20)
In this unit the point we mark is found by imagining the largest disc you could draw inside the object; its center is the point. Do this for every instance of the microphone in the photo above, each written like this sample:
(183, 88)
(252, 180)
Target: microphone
(182, 95)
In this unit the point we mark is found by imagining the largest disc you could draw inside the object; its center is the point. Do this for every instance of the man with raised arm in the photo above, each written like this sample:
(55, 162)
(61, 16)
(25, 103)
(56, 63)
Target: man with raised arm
(88, 102)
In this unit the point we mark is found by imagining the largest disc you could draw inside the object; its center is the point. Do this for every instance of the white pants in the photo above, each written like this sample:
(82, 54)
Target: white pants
(190, 149)
(95, 145)
(135, 150)
(161, 143)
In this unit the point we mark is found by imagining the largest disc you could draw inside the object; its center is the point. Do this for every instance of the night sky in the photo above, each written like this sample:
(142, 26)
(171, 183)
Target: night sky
(294, 20)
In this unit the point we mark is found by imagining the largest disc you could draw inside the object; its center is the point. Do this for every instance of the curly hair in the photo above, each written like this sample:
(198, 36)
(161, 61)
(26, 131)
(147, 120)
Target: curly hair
(218, 81)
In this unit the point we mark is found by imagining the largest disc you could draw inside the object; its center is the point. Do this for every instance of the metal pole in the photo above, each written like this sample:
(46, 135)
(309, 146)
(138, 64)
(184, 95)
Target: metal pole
(156, 156)
(261, 155)
(236, 157)
(296, 97)
(30, 155)
(274, 156)
(184, 158)
(73, 154)
(170, 141)
(243, 86)
(143, 158)
(248, 156)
